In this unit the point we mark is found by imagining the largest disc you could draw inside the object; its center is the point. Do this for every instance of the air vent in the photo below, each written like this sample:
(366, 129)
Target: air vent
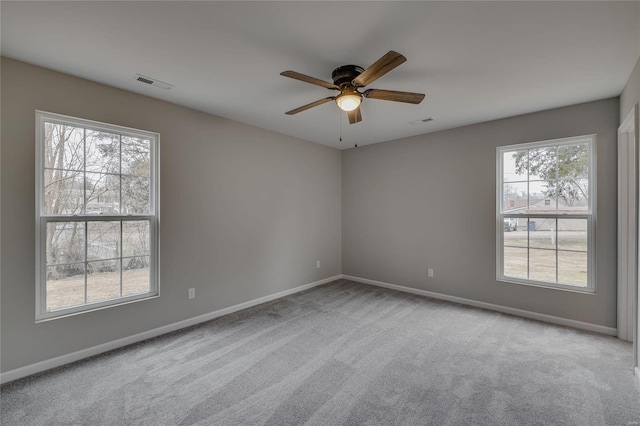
(153, 82)
(144, 80)
(424, 120)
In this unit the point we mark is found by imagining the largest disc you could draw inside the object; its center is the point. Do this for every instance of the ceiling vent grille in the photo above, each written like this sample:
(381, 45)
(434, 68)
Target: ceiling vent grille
(153, 82)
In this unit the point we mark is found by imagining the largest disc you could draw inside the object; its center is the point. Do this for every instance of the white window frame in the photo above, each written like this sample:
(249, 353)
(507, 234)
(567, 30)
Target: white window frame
(42, 218)
(589, 215)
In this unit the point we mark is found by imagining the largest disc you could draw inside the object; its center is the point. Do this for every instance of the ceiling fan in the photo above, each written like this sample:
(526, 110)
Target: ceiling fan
(349, 78)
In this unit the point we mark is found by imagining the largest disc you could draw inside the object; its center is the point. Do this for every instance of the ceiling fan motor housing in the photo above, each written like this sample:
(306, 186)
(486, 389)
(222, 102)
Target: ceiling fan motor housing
(345, 74)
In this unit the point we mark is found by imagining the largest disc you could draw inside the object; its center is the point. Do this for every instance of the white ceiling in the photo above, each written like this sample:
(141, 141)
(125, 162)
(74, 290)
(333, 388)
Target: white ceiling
(476, 61)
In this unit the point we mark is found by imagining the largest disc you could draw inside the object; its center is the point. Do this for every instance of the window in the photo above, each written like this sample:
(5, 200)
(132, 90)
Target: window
(545, 213)
(96, 215)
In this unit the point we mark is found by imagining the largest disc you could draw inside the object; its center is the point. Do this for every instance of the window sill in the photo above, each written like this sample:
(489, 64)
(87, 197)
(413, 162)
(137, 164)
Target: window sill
(570, 289)
(78, 310)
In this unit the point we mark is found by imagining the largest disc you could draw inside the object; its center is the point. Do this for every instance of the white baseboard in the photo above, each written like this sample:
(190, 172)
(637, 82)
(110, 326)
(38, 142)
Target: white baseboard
(490, 306)
(95, 350)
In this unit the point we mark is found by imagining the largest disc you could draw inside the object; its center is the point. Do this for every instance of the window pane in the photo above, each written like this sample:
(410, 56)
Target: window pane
(542, 197)
(573, 161)
(515, 262)
(63, 192)
(572, 268)
(65, 242)
(63, 147)
(542, 164)
(542, 232)
(514, 197)
(542, 265)
(103, 280)
(103, 152)
(65, 286)
(135, 195)
(514, 166)
(572, 234)
(136, 156)
(135, 237)
(573, 195)
(103, 240)
(103, 194)
(515, 232)
(135, 275)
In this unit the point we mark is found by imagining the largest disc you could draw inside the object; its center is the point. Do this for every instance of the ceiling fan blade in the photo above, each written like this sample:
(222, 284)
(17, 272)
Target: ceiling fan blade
(307, 79)
(392, 95)
(311, 105)
(379, 68)
(355, 116)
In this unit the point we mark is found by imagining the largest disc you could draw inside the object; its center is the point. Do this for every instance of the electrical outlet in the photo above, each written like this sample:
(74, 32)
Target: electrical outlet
(317, 264)
(192, 293)
(430, 272)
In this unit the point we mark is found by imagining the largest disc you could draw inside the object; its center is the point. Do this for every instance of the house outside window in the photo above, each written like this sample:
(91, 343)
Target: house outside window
(97, 216)
(546, 213)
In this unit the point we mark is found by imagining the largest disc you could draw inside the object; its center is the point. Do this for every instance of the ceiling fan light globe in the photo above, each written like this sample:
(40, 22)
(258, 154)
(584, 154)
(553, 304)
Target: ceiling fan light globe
(348, 102)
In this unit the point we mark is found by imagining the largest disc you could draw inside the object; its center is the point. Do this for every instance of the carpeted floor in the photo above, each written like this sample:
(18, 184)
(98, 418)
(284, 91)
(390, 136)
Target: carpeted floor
(344, 354)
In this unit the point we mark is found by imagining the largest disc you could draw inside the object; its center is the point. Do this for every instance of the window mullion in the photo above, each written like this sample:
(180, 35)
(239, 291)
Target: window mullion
(557, 178)
(121, 254)
(43, 264)
(120, 176)
(120, 207)
(528, 249)
(86, 257)
(527, 210)
(84, 171)
(556, 247)
(84, 210)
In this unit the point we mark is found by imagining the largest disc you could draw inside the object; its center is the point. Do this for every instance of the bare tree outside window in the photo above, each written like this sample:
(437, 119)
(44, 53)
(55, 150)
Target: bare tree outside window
(89, 175)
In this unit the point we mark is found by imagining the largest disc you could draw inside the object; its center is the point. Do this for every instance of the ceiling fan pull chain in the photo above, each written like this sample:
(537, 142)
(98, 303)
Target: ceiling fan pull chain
(340, 126)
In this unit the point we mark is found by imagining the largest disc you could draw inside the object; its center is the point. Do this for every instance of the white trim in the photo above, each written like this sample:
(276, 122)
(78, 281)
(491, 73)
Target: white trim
(115, 344)
(637, 370)
(541, 284)
(42, 117)
(490, 306)
(95, 125)
(542, 144)
(627, 220)
(590, 215)
(98, 306)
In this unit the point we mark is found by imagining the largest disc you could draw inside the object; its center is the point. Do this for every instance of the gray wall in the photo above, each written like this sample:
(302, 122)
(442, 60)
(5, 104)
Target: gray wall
(245, 212)
(430, 201)
(630, 95)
